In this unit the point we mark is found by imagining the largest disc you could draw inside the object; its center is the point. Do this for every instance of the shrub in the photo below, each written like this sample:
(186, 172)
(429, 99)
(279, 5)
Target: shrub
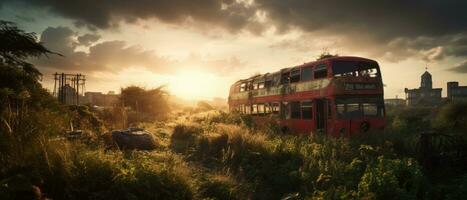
(137, 176)
(219, 187)
(452, 117)
(390, 179)
(184, 137)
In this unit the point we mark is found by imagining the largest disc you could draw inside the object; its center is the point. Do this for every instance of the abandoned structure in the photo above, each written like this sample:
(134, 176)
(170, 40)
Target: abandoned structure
(456, 92)
(425, 95)
(69, 88)
(68, 95)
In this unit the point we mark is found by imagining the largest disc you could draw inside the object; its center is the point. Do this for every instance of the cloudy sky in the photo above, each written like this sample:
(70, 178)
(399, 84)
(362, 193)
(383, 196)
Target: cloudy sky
(199, 47)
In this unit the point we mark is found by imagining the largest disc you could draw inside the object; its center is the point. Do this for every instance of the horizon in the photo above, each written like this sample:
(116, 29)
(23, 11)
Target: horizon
(223, 41)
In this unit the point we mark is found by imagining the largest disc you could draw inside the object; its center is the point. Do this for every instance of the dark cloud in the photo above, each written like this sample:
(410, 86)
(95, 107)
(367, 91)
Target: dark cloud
(105, 56)
(113, 56)
(25, 18)
(385, 19)
(88, 39)
(395, 29)
(104, 14)
(460, 68)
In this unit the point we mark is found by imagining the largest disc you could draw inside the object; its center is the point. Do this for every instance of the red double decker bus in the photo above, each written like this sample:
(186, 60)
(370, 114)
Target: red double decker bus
(339, 96)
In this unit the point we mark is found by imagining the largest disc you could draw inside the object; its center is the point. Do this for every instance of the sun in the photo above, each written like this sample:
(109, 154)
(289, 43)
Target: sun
(193, 84)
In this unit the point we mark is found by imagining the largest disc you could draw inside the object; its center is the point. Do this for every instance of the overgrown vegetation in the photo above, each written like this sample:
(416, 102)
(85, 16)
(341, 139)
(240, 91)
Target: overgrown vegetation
(208, 154)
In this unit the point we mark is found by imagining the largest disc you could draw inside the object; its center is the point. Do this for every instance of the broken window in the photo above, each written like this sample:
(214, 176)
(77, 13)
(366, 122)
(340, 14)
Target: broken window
(355, 68)
(260, 85)
(359, 107)
(370, 109)
(267, 108)
(285, 77)
(285, 111)
(275, 108)
(353, 110)
(295, 112)
(340, 109)
(295, 76)
(321, 71)
(307, 73)
(268, 82)
(307, 110)
(242, 87)
(255, 85)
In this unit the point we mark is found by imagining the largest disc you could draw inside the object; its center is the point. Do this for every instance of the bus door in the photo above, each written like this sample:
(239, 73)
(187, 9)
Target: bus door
(321, 115)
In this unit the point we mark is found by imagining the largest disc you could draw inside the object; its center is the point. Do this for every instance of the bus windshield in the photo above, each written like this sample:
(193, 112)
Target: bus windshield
(348, 108)
(355, 68)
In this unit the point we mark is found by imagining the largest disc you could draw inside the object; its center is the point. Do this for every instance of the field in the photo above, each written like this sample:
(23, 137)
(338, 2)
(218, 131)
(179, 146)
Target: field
(210, 154)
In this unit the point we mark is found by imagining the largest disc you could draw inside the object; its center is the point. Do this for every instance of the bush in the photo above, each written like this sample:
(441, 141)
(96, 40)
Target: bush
(452, 117)
(96, 175)
(219, 187)
(390, 179)
(184, 137)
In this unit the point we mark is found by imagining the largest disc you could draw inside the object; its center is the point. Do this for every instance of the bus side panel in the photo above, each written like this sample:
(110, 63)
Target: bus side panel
(349, 127)
(301, 127)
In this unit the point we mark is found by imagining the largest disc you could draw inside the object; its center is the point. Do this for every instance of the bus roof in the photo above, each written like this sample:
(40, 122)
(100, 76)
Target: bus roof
(307, 64)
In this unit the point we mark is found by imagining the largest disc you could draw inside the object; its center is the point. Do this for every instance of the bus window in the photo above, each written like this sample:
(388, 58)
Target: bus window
(247, 109)
(243, 87)
(276, 79)
(260, 85)
(261, 108)
(275, 108)
(370, 109)
(268, 82)
(255, 85)
(295, 76)
(321, 71)
(285, 77)
(285, 112)
(347, 108)
(295, 112)
(353, 110)
(340, 109)
(307, 110)
(267, 108)
(354, 68)
(254, 109)
(307, 74)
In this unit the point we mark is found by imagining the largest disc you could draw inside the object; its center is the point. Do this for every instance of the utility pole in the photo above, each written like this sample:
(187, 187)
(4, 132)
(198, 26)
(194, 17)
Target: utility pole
(69, 84)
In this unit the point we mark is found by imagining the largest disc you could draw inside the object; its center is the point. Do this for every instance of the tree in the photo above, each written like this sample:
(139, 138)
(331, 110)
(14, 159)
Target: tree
(325, 55)
(146, 101)
(28, 113)
(19, 79)
(16, 46)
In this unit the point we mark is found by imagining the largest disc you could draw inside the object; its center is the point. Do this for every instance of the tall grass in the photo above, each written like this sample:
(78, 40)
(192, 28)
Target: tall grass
(317, 167)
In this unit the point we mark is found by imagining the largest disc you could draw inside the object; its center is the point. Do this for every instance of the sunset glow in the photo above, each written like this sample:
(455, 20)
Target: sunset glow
(200, 52)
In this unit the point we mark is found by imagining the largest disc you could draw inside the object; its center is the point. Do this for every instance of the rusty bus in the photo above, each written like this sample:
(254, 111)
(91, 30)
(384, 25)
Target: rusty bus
(338, 96)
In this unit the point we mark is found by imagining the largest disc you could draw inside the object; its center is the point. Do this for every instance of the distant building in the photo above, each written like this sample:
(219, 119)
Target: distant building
(456, 92)
(68, 95)
(395, 102)
(100, 99)
(426, 95)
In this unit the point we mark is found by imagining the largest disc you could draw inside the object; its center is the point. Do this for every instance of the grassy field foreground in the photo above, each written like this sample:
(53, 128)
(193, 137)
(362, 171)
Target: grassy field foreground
(216, 155)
